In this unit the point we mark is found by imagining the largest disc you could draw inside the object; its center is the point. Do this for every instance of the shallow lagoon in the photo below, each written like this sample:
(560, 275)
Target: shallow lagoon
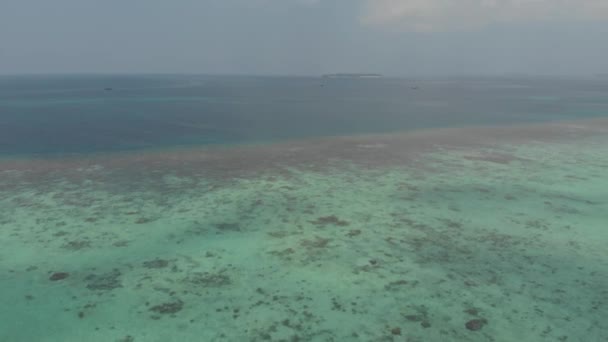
(458, 234)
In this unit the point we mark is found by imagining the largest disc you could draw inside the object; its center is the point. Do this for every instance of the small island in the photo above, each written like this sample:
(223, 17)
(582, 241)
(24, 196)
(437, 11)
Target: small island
(352, 76)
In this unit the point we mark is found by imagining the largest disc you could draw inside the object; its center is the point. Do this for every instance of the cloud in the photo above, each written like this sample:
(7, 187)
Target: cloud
(438, 15)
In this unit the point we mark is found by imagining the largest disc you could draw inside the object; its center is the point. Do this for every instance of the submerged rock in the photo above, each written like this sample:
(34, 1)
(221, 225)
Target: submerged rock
(476, 324)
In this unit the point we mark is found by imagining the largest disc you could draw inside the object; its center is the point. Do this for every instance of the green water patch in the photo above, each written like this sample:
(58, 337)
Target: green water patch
(493, 243)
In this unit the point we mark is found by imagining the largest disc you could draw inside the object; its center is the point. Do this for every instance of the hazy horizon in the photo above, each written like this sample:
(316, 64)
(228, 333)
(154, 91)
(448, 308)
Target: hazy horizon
(412, 76)
(305, 37)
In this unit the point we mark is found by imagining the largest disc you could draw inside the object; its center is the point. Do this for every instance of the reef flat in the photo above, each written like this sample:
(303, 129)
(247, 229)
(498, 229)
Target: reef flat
(459, 234)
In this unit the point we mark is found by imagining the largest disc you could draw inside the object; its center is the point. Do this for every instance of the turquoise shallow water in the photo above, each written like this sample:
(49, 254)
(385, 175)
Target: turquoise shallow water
(471, 234)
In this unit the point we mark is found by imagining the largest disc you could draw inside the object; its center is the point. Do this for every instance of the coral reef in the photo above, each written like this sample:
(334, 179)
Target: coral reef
(105, 281)
(58, 276)
(476, 324)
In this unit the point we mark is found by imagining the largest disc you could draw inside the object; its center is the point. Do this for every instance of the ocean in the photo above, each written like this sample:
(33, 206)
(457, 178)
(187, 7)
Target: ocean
(233, 208)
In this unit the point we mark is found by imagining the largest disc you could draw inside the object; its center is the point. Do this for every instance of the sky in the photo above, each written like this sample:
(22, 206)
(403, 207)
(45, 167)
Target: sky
(305, 37)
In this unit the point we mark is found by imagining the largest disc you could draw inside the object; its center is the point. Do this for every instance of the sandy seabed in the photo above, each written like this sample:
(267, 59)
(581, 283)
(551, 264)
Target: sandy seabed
(462, 234)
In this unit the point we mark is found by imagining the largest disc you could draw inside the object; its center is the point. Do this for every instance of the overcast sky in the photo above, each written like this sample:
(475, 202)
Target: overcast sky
(393, 37)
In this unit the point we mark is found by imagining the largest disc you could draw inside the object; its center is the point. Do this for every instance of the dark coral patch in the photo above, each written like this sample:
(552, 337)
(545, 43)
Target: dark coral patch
(143, 220)
(104, 282)
(353, 232)
(207, 279)
(476, 324)
(58, 276)
(121, 243)
(77, 245)
(168, 308)
(228, 226)
(318, 242)
(156, 263)
(329, 220)
(472, 311)
(395, 284)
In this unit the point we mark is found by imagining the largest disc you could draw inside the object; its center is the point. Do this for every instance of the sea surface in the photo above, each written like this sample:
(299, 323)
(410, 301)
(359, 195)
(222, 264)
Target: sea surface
(85, 114)
(226, 208)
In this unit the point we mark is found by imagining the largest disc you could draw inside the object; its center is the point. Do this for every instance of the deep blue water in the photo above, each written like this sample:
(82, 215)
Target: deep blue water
(77, 114)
